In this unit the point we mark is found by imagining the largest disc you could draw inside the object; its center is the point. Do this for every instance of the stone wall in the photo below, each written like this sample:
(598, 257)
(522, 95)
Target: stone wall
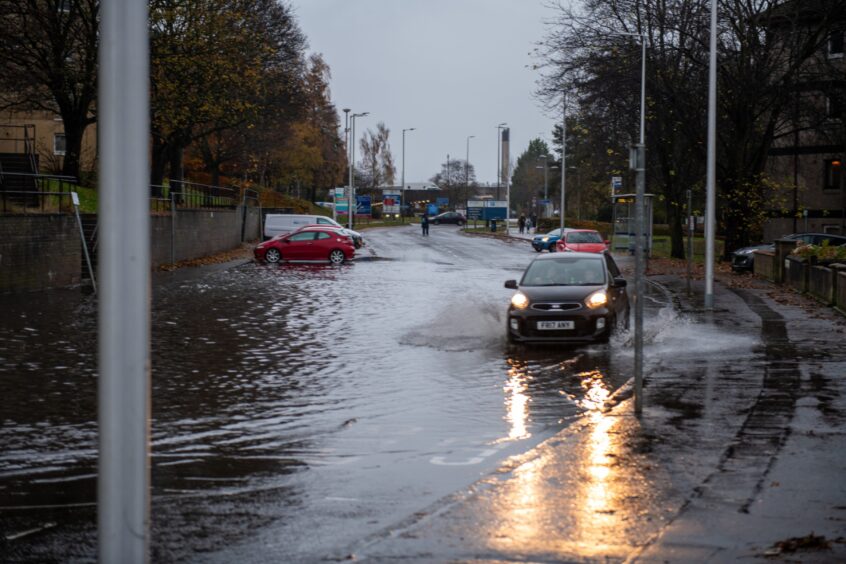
(38, 252)
(44, 251)
(764, 265)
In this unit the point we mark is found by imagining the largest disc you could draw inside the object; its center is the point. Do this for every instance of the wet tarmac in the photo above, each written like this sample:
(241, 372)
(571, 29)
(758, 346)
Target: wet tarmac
(298, 409)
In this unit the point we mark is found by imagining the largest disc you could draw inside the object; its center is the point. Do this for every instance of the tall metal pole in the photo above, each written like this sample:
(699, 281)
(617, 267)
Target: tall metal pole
(352, 206)
(123, 484)
(402, 191)
(347, 145)
(499, 157)
(545, 177)
(711, 190)
(507, 166)
(563, 161)
(640, 167)
(352, 167)
(467, 171)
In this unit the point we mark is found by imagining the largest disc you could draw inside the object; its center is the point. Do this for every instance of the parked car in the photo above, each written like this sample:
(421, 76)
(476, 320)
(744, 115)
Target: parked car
(313, 244)
(568, 298)
(547, 241)
(581, 240)
(358, 240)
(449, 217)
(744, 258)
(284, 223)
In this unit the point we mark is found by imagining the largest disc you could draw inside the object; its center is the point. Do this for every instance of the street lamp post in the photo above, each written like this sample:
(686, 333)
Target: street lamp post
(499, 157)
(351, 202)
(467, 171)
(402, 203)
(563, 163)
(347, 145)
(637, 160)
(711, 164)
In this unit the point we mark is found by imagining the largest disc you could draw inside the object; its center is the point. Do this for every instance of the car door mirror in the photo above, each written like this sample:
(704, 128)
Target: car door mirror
(511, 284)
(620, 282)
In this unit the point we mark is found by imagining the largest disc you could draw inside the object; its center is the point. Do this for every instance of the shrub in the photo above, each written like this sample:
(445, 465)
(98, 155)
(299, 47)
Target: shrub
(822, 253)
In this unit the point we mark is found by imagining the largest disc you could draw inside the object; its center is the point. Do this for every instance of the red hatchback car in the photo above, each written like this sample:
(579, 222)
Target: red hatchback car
(581, 241)
(308, 244)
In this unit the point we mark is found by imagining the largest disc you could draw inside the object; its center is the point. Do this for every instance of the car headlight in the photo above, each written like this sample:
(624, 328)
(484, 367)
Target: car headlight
(545, 239)
(520, 300)
(597, 299)
(261, 246)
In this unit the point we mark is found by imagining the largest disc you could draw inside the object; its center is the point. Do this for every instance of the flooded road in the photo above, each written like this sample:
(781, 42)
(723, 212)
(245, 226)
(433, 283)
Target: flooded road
(296, 409)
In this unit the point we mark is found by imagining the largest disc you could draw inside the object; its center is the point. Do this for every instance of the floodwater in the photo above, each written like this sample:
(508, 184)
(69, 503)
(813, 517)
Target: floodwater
(296, 409)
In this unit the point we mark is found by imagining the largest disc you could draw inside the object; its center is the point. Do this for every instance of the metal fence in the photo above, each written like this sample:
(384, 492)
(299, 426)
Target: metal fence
(49, 193)
(23, 193)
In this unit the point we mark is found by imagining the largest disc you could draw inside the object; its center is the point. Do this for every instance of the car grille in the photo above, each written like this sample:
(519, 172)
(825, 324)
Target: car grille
(556, 306)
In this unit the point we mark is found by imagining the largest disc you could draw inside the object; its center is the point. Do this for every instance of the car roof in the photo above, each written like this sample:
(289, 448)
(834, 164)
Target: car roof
(561, 256)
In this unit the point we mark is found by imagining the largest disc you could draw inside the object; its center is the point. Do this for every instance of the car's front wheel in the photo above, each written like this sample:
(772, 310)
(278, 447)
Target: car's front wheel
(337, 256)
(272, 256)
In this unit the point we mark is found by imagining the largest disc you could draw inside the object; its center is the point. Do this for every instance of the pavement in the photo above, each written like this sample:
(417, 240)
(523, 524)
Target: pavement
(739, 453)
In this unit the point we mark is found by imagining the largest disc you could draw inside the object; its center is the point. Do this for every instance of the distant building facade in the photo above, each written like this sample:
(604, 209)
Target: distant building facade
(808, 161)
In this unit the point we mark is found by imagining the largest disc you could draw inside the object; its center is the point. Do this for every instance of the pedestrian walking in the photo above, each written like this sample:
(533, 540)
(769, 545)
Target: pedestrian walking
(521, 223)
(424, 224)
(534, 219)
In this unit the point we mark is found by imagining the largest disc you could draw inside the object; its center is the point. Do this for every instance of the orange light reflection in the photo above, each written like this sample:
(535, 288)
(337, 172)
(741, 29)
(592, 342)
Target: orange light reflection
(593, 487)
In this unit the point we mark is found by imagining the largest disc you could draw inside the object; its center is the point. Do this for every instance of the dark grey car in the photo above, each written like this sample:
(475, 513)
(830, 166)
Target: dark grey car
(568, 298)
(744, 259)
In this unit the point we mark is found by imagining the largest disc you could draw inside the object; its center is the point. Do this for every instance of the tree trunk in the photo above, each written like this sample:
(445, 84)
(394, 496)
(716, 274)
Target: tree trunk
(74, 130)
(158, 166)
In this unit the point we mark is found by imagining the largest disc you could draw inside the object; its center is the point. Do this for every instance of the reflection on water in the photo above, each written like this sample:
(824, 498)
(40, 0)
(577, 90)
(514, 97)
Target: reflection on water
(599, 489)
(517, 401)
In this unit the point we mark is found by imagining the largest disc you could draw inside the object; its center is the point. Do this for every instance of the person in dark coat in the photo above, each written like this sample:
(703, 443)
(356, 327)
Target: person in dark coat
(521, 223)
(424, 223)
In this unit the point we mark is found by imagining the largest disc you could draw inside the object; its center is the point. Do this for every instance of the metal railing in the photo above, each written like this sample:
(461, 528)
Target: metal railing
(50, 193)
(193, 195)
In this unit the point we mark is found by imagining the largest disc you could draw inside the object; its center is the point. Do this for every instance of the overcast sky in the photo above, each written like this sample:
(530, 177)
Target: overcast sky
(450, 68)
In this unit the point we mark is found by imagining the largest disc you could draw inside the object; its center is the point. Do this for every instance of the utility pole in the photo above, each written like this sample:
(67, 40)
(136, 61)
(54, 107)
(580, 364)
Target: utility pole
(711, 190)
(402, 191)
(563, 162)
(347, 145)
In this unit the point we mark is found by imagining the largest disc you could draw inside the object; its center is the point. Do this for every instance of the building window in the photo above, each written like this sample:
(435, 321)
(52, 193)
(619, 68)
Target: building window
(834, 105)
(831, 229)
(835, 44)
(59, 144)
(832, 174)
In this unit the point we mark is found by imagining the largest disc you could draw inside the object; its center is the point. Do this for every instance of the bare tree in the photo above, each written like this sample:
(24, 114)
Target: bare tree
(762, 49)
(48, 61)
(377, 163)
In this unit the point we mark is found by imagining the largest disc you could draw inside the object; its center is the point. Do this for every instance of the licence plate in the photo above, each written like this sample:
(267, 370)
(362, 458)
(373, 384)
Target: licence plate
(555, 325)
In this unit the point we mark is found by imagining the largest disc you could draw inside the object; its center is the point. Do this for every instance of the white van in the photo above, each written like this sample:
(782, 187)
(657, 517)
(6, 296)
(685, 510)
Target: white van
(284, 223)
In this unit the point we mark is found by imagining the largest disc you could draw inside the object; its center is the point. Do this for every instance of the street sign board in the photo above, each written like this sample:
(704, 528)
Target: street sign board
(391, 202)
(616, 185)
(440, 202)
(341, 201)
(362, 205)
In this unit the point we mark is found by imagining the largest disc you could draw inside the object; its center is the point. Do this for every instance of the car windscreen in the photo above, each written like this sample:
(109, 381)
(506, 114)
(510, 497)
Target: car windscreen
(584, 237)
(566, 271)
